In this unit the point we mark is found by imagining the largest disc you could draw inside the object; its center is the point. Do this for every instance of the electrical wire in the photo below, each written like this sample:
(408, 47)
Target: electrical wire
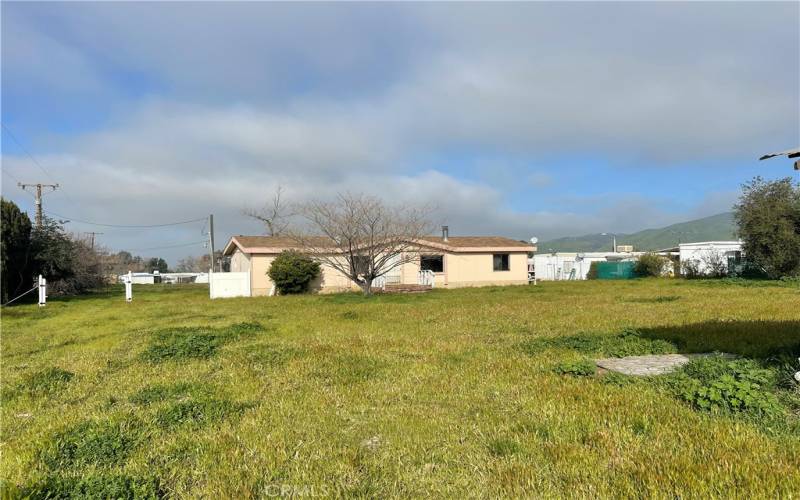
(36, 162)
(14, 137)
(18, 183)
(130, 226)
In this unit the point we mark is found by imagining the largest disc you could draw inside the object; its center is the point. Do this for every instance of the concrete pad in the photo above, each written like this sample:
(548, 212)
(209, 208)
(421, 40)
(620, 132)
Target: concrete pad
(655, 364)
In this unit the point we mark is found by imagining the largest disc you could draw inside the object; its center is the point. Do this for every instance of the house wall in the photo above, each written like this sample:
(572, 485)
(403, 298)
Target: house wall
(476, 269)
(240, 261)
(460, 270)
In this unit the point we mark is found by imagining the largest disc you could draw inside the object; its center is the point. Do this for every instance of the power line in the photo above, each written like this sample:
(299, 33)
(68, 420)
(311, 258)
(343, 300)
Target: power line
(34, 160)
(130, 226)
(167, 246)
(27, 152)
(18, 183)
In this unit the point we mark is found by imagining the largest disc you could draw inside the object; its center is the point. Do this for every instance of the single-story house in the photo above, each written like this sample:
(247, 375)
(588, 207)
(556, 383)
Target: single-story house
(453, 261)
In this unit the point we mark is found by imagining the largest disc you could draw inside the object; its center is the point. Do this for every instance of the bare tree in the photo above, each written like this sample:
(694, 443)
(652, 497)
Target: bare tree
(361, 237)
(274, 215)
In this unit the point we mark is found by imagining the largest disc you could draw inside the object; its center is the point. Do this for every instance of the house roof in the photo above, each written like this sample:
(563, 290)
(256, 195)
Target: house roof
(456, 244)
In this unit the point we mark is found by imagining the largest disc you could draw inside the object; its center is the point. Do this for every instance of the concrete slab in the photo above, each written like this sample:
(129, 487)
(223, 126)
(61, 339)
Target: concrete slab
(655, 364)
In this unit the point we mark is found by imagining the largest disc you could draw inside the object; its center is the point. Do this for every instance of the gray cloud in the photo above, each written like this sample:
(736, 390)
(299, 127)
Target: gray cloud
(235, 99)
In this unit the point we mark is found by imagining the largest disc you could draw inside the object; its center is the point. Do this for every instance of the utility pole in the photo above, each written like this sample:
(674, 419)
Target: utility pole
(38, 187)
(92, 234)
(211, 239)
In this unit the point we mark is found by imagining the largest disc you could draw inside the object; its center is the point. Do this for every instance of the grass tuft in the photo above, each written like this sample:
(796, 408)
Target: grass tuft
(47, 381)
(503, 447)
(160, 393)
(627, 343)
(198, 412)
(350, 369)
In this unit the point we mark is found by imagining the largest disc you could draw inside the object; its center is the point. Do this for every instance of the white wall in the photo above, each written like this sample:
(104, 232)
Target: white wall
(223, 285)
(703, 252)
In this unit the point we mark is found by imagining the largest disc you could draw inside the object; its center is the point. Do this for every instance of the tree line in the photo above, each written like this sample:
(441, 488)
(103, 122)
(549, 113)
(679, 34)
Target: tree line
(70, 263)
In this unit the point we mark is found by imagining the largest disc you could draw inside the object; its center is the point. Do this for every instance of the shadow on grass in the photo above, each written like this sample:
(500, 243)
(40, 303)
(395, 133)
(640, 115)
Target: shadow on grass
(753, 339)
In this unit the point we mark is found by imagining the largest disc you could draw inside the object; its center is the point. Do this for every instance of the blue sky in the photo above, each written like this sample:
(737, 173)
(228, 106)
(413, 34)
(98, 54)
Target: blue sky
(513, 119)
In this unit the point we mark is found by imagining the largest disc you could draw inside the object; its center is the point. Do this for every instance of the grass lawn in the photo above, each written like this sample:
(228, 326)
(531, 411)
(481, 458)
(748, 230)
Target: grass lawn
(468, 393)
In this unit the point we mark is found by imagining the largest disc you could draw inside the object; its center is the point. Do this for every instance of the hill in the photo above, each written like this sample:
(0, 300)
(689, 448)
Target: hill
(716, 227)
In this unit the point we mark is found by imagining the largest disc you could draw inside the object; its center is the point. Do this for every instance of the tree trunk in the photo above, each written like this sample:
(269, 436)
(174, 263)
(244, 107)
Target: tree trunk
(366, 286)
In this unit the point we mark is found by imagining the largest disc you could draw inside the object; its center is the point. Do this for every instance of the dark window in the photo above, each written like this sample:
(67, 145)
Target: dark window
(433, 263)
(500, 261)
(361, 264)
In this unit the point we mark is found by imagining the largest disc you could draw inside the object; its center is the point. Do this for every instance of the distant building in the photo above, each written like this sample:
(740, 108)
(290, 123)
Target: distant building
(572, 265)
(707, 256)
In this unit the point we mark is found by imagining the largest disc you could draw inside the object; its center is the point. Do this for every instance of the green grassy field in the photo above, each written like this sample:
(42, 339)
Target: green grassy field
(468, 393)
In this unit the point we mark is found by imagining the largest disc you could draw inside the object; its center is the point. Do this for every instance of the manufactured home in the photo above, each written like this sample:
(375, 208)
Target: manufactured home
(440, 262)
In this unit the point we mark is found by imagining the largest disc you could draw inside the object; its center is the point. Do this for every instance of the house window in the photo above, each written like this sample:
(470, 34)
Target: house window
(500, 261)
(433, 263)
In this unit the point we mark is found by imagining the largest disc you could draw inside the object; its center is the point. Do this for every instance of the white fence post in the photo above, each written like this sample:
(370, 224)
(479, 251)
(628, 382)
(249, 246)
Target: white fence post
(129, 287)
(42, 291)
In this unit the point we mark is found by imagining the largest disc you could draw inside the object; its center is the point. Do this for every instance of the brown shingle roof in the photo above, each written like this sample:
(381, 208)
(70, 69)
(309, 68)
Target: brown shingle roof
(269, 244)
(476, 241)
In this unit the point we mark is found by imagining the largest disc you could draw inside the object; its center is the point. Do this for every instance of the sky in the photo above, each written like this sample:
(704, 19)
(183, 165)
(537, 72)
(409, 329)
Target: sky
(511, 119)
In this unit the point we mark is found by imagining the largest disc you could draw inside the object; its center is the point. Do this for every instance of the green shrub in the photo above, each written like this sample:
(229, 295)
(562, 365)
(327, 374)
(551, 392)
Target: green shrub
(592, 274)
(650, 265)
(292, 272)
(580, 368)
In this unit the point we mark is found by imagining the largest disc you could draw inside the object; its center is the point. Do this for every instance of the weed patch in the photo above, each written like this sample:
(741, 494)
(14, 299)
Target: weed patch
(91, 486)
(47, 381)
(194, 343)
(719, 385)
(91, 443)
(198, 412)
(580, 368)
(628, 343)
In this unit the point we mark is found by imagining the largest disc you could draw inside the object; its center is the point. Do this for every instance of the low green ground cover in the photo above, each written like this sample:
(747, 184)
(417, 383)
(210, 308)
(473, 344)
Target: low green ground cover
(476, 392)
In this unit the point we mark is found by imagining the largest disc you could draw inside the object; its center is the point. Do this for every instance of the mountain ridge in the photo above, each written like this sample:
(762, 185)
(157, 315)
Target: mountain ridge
(712, 228)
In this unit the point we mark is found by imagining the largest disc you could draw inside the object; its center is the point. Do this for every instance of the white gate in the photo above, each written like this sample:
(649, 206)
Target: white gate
(222, 285)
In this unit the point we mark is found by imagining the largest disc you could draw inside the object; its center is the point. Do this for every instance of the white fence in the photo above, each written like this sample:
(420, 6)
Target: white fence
(223, 285)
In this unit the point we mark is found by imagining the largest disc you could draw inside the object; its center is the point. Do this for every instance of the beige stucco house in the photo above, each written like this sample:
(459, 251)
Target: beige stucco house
(454, 261)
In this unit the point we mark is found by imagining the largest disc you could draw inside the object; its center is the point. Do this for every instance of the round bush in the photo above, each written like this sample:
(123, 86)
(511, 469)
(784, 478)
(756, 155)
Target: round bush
(650, 264)
(292, 272)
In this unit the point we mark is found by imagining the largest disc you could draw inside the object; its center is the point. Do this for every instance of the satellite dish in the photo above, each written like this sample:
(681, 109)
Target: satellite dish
(534, 240)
